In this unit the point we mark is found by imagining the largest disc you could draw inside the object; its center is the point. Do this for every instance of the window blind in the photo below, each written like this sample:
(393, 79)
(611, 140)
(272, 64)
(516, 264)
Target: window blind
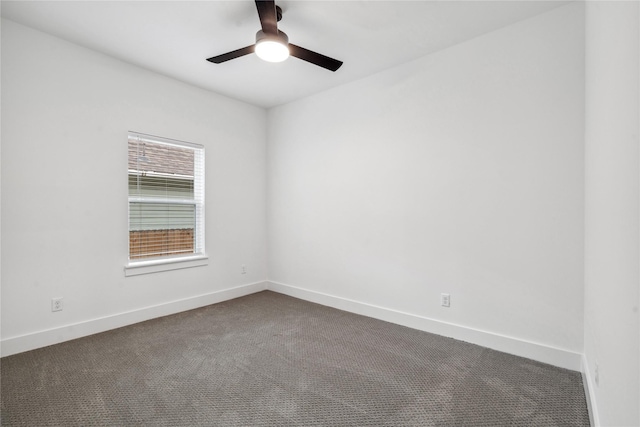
(166, 197)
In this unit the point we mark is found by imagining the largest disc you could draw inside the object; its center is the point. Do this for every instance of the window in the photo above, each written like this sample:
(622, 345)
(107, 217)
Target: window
(166, 200)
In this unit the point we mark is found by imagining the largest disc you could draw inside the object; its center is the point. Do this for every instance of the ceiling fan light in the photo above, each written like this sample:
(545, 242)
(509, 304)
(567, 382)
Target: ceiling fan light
(272, 51)
(272, 47)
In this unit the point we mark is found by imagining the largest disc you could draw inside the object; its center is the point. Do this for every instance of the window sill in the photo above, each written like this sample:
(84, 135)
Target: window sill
(135, 268)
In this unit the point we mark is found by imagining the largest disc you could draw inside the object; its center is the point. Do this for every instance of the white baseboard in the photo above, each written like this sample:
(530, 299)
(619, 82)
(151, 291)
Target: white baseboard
(547, 354)
(57, 335)
(540, 352)
(589, 387)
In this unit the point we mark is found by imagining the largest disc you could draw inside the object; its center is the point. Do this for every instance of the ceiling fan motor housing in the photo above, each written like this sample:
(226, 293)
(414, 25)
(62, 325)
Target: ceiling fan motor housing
(281, 37)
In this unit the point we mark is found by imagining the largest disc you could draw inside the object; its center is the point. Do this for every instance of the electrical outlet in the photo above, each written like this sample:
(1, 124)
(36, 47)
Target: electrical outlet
(597, 375)
(243, 269)
(56, 304)
(445, 300)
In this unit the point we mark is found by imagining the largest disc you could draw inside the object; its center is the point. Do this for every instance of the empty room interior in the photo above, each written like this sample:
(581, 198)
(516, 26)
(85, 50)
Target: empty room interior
(374, 244)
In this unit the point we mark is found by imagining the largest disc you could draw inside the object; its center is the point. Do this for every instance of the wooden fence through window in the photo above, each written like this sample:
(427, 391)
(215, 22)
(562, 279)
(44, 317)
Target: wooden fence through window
(152, 243)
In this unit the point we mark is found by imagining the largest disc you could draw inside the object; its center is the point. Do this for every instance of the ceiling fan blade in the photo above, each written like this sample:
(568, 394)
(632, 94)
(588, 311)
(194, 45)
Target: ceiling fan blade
(268, 16)
(232, 55)
(314, 58)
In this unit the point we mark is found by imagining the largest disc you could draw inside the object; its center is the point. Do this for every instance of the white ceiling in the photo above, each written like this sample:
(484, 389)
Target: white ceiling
(174, 38)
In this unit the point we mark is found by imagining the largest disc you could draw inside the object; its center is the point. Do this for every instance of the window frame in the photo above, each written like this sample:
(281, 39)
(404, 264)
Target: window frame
(199, 257)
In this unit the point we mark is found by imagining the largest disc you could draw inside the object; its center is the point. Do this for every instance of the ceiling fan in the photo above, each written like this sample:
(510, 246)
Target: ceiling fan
(273, 45)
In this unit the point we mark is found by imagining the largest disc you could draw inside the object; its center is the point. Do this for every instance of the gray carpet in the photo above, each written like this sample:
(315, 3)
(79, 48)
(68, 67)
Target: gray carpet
(272, 360)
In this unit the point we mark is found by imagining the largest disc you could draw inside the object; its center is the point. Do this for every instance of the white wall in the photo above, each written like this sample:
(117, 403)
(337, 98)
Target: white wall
(612, 273)
(460, 172)
(66, 111)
